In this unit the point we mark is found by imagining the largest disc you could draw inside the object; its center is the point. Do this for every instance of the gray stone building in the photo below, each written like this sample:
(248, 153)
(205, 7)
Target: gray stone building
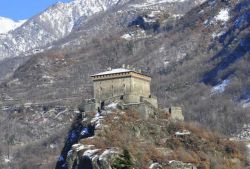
(130, 89)
(130, 86)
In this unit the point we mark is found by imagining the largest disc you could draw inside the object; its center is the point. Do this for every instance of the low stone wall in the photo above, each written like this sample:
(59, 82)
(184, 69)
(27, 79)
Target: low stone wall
(152, 100)
(145, 111)
(176, 113)
(131, 98)
(88, 105)
(145, 106)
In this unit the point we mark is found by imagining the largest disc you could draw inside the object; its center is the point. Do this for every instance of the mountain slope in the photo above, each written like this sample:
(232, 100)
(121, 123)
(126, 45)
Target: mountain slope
(168, 56)
(114, 138)
(50, 25)
(58, 21)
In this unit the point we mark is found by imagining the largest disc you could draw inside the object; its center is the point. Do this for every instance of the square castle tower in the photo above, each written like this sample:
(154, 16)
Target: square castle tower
(127, 85)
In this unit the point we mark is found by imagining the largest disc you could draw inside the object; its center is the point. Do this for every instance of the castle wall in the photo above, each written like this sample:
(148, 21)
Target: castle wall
(131, 86)
(132, 98)
(88, 105)
(152, 100)
(140, 87)
(145, 110)
(105, 89)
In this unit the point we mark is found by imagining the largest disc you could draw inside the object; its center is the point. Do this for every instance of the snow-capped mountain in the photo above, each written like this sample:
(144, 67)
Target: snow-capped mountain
(50, 25)
(9, 24)
(59, 20)
(66, 25)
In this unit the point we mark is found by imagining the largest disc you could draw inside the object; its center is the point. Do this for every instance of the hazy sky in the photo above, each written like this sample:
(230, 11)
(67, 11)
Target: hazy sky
(24, 9)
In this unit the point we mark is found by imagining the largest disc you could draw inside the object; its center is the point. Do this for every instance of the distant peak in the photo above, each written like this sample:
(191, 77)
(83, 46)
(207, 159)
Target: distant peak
(8, 24)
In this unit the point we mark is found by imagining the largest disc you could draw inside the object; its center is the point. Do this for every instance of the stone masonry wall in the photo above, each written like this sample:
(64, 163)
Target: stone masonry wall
(109, 88)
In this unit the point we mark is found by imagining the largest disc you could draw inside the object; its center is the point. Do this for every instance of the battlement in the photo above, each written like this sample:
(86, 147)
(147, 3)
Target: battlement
(119, 73)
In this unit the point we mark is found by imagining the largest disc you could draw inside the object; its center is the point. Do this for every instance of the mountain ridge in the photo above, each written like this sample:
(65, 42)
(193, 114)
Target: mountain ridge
(58, 21)
(52, 24)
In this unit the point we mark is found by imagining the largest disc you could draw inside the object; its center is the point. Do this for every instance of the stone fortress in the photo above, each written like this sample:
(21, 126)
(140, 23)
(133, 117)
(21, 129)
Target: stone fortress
(128, 86)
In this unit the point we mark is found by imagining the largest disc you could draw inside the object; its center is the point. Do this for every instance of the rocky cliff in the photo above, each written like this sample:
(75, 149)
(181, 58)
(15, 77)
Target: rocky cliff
(116, 138)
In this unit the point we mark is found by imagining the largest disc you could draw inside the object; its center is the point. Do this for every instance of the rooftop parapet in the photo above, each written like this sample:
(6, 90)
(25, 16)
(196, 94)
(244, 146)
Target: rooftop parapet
(120, 72)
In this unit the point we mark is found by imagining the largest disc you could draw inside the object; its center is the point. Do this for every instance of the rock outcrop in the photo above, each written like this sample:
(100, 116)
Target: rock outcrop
(121, 138)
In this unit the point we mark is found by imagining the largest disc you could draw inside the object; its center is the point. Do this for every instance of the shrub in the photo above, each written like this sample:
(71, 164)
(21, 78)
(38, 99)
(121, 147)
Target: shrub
(123, 161)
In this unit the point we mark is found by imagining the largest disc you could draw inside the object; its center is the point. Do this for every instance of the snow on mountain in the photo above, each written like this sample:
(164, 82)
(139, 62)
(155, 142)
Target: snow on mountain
(8, 24)
(220, 88)
(154, 2)
(223, 15)
(245, 102)
(50, 25)
(61, 19)
(148, 3)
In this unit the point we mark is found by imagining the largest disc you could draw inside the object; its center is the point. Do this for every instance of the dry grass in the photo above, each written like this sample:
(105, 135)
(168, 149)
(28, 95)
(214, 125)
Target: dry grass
(203, 148)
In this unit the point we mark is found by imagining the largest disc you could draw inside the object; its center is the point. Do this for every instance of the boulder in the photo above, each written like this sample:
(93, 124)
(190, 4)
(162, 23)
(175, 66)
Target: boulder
(181, 165)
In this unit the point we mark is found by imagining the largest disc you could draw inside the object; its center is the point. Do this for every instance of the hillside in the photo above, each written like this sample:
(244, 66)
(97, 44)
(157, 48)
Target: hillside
(40, 32)
(115, 138)
(50, 25)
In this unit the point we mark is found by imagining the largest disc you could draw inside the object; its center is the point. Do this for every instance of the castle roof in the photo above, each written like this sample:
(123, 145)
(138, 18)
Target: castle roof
(117, 73)
(113, 71)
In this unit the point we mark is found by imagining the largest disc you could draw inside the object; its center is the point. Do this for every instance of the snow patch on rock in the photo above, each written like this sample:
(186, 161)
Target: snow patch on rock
(91, 153)
(155, 166)
(154, 2)
(182, 133)
(244, 134)
(220, 88)
(7, 159)
(223, 15)
(112, 105)
(139, 34)
(215, 35)
(245, 103)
